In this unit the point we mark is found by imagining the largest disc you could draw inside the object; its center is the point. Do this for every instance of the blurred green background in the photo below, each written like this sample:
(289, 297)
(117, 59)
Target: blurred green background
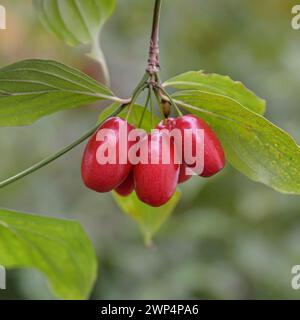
(229, 238)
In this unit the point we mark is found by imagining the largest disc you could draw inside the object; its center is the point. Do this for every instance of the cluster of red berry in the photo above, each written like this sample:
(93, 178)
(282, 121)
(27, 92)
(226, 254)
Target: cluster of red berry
(154, 183)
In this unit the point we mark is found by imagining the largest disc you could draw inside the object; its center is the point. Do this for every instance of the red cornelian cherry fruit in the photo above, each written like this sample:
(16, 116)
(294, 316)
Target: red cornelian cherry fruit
(183, 176)
(214, 158)
(155, 181)
(127, 187)
(169, 124)
(107, 176)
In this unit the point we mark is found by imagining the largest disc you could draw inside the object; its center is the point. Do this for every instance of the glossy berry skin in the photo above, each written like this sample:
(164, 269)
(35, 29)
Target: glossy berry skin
(127, 187)
(104, 177)
(214, 158)
(166, 124)
(183, 177)
(170, 124)
(155, 183)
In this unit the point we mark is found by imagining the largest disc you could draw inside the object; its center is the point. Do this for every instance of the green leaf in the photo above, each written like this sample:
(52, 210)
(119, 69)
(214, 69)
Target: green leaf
(77, 22)
(60, 249)
(31, 89)
(253, 145)
(134, 117)
(214, 83)
(149, 219)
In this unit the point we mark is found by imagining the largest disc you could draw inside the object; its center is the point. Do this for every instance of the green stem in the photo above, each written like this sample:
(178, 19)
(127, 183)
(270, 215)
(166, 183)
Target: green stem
(157, 78)
(158, 101)
(145, 108)
(98, 56)
(57, 154)
(140, 86)
(138, 90)
(170, 100)
(151, 108)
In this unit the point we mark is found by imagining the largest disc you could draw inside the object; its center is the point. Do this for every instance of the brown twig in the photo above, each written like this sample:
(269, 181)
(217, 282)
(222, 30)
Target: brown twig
(153, 62)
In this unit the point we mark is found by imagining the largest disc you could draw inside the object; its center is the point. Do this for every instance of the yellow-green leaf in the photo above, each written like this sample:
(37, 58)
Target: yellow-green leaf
(215, 83)
(149, 219)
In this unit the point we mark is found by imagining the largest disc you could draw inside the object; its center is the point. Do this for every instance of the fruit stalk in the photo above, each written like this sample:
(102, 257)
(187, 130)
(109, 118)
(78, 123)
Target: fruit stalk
(143, 84)
(145, 108)
(165, 96)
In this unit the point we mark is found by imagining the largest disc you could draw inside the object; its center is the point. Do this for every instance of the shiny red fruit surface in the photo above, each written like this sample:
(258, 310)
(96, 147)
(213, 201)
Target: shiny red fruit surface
(183, 177)
(170, 124)
(105, 177)
(127, 187)
(166, 124)
(155, 183)
(214, 158)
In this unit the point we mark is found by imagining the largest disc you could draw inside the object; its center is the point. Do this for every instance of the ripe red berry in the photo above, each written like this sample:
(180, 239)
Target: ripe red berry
(183, 177)
(155, 183)
(214, 158)
(105, 177)
(126, 188)
(170, 125)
